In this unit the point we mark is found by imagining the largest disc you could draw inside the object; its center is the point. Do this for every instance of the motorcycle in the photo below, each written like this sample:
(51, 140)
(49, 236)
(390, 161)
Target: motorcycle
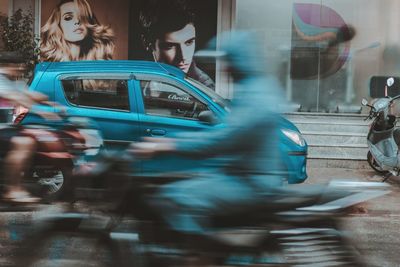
(383, 137)
(61, 146)
(296, 226)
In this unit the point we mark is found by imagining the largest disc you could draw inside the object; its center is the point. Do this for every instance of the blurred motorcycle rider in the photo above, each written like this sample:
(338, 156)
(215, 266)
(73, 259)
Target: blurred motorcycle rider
(246, 163)
(17, 149)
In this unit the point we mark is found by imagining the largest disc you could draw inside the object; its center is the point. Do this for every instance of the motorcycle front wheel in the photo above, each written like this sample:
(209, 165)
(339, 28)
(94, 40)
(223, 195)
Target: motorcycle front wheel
(49, 184)
(374, 165)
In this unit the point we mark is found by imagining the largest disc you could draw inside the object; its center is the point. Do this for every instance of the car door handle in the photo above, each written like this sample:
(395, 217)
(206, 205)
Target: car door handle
(156, 132)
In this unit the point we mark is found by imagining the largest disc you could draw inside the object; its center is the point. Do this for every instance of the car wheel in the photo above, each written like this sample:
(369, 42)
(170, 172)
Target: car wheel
(50, 184)
(374, 165)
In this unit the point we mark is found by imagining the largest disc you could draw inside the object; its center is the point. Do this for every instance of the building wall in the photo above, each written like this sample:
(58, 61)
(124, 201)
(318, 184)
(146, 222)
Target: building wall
(3, 11)
(4, 7)
(376, 22)
(23, 4)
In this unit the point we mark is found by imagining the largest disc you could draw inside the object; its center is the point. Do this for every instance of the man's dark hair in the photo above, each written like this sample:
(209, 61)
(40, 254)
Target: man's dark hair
(158, 17)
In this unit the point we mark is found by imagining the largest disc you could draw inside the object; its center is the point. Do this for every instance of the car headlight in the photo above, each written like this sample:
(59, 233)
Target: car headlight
(296, 137)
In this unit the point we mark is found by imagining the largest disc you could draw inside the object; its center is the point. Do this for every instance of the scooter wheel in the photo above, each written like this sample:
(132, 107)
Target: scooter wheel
(374, 165)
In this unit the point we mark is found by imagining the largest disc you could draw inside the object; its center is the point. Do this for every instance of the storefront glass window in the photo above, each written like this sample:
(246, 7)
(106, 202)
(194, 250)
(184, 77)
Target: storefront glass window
(326, 51)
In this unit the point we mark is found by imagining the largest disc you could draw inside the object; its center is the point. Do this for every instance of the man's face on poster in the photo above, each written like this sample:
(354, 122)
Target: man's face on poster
(71, 24)
(177, 48)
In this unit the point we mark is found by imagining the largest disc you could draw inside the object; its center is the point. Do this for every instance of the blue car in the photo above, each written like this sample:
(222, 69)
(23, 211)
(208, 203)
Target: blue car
(133, 99)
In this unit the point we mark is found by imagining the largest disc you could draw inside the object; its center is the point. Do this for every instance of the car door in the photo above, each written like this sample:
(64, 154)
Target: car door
(106, 98)
(167, 107)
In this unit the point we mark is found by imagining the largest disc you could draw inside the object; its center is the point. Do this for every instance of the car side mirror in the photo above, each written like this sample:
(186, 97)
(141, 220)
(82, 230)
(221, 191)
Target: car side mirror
(208, 117)
(364, 102)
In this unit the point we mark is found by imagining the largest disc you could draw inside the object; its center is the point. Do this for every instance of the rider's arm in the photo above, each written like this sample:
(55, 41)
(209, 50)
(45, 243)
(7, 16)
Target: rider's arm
(237, 135)
(253, 120)
(251, 123)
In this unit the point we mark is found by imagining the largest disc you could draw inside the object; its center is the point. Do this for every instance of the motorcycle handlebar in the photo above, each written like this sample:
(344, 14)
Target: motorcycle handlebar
(394, 98)
(380, 105)
(372, 113)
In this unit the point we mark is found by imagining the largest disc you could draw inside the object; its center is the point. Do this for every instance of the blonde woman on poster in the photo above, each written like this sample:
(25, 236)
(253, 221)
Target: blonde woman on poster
(73, 32)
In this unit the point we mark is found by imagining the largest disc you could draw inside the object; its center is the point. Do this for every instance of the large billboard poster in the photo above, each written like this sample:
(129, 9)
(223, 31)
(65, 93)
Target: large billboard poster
(170, 31)
(167, 31)
(84, 29)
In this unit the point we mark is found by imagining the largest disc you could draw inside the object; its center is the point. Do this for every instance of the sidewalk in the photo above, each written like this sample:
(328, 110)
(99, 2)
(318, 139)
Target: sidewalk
(324, 175)
(375, 231)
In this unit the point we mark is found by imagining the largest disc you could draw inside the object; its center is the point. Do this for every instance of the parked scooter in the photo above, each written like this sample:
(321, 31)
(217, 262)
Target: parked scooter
(383, 138)
(62, 145)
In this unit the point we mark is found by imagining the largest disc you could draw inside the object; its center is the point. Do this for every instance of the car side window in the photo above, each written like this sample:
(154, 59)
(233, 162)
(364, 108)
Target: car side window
(99, 93)
(168, 100)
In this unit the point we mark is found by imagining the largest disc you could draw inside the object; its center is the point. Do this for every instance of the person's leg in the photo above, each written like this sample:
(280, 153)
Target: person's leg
(186, 205)
(17, 161)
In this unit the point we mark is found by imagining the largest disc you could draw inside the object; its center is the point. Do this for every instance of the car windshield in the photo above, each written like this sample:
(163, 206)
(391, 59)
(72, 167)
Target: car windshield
(216, 98)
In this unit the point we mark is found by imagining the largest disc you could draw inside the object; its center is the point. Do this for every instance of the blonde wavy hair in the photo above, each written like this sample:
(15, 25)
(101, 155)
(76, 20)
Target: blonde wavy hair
(98, 44)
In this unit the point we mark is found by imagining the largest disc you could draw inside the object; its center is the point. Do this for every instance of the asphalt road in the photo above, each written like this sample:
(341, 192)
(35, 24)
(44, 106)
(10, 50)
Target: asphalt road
(374, 227)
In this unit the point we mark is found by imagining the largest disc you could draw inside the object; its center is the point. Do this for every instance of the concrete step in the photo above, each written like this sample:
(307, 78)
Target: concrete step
(332, 122)
(347, 123)
(346, 152)
(325, 116)
(334, 138)
(337, 121)
(331, 127)
(338, 163)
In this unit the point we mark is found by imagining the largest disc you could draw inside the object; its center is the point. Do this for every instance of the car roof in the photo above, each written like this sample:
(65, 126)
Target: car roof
(110, 65)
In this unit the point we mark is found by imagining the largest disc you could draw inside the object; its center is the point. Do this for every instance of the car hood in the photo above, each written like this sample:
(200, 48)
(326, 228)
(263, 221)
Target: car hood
(286, 124)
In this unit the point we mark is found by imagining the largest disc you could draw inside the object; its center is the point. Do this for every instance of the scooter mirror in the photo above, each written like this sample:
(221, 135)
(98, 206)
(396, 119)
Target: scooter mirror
(390, 81)
(364, 102)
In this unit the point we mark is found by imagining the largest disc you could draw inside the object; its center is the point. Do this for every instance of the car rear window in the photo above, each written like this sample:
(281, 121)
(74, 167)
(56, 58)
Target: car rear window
(99, 93)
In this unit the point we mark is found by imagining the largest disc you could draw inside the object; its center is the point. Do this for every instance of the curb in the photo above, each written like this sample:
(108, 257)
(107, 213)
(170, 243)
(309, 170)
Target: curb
(394, 180)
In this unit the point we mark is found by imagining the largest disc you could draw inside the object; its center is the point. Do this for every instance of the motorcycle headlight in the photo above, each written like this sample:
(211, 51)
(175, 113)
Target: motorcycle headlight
(296, 137)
